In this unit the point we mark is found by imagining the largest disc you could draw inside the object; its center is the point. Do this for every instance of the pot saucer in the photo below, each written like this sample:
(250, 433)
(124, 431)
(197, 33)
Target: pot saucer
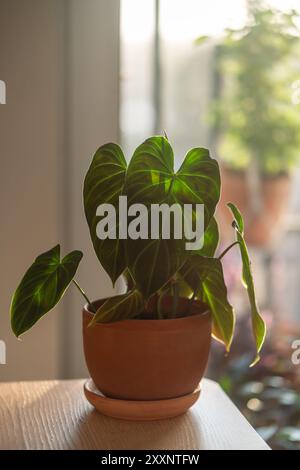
(139, 410)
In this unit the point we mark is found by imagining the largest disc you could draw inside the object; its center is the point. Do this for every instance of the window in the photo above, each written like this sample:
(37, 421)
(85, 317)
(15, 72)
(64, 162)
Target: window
(171, 84)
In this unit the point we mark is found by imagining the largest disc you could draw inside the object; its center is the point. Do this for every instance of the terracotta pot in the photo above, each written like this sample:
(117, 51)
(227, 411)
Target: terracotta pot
(148, 359)
(262, 228)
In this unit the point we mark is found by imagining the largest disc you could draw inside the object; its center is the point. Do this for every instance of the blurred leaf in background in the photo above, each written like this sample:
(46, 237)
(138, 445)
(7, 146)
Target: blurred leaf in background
(268, 394)
(254, 115)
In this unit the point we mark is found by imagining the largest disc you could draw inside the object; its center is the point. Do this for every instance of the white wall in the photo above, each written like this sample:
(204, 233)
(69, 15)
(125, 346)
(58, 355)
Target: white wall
(59, 59)
(92, 116)
(31, 155)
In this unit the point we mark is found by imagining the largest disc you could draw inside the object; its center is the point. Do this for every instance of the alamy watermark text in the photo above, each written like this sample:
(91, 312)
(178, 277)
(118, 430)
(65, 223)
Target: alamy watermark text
(159, 221)
(2, 92)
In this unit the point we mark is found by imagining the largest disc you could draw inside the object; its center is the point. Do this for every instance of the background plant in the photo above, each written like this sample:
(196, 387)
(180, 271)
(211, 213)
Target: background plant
(268, 395)
(152, 267)
(254, 116)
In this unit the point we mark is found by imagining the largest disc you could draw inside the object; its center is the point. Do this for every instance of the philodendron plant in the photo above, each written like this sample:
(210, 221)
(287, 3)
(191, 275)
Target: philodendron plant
(152, 267)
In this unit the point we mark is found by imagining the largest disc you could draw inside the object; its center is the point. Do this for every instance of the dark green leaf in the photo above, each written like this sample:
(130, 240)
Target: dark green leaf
(191, 274)
(120, 307)
(150, 172)
(198, 182)
(205, 277)
(104, 183)
(151, 180)
(42, 287)
(211, 239)
(258, 324)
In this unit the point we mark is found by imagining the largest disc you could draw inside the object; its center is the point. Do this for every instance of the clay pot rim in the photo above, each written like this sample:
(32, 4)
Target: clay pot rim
(156, 324)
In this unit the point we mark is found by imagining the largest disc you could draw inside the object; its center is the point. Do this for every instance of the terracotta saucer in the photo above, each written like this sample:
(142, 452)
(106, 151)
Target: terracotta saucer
(132, 410)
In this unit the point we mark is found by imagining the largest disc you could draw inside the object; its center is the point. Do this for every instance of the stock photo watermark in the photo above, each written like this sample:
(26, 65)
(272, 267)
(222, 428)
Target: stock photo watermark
(2, 352)
(296, 354)
(2, 92)
(2, 343)
(160, 221)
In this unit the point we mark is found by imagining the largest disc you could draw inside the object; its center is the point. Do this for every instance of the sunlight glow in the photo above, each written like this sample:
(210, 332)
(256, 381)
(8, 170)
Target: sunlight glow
(182, 21)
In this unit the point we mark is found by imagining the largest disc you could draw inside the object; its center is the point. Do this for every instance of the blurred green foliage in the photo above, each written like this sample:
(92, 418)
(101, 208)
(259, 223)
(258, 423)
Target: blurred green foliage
(268, 395)
(254, 115)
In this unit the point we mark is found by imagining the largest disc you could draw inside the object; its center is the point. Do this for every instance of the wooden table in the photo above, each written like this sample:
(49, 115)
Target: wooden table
(56, 415)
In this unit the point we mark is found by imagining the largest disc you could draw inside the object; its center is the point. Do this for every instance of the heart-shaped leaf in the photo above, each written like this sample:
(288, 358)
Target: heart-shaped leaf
(150, 172)
(150, 180)
(198, 182)
(120, 307)
(258, 324)
(41, 288)
(206, 279)
(104, 183)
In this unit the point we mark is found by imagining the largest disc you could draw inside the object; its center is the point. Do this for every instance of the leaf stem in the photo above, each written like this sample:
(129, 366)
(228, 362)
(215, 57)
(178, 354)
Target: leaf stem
(160, 297)
(175, 292)
(227, 249)
(90, 304)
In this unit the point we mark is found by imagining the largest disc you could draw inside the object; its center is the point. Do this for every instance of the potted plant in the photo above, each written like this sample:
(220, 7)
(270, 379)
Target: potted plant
(256, 122)
(153, 341)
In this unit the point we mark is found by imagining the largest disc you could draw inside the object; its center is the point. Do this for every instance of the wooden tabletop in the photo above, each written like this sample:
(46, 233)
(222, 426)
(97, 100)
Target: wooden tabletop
(56, 415)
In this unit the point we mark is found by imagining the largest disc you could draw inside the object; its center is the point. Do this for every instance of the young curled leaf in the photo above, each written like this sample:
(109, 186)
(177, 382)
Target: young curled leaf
(258, 324)
(238, 219)
(120, 307)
